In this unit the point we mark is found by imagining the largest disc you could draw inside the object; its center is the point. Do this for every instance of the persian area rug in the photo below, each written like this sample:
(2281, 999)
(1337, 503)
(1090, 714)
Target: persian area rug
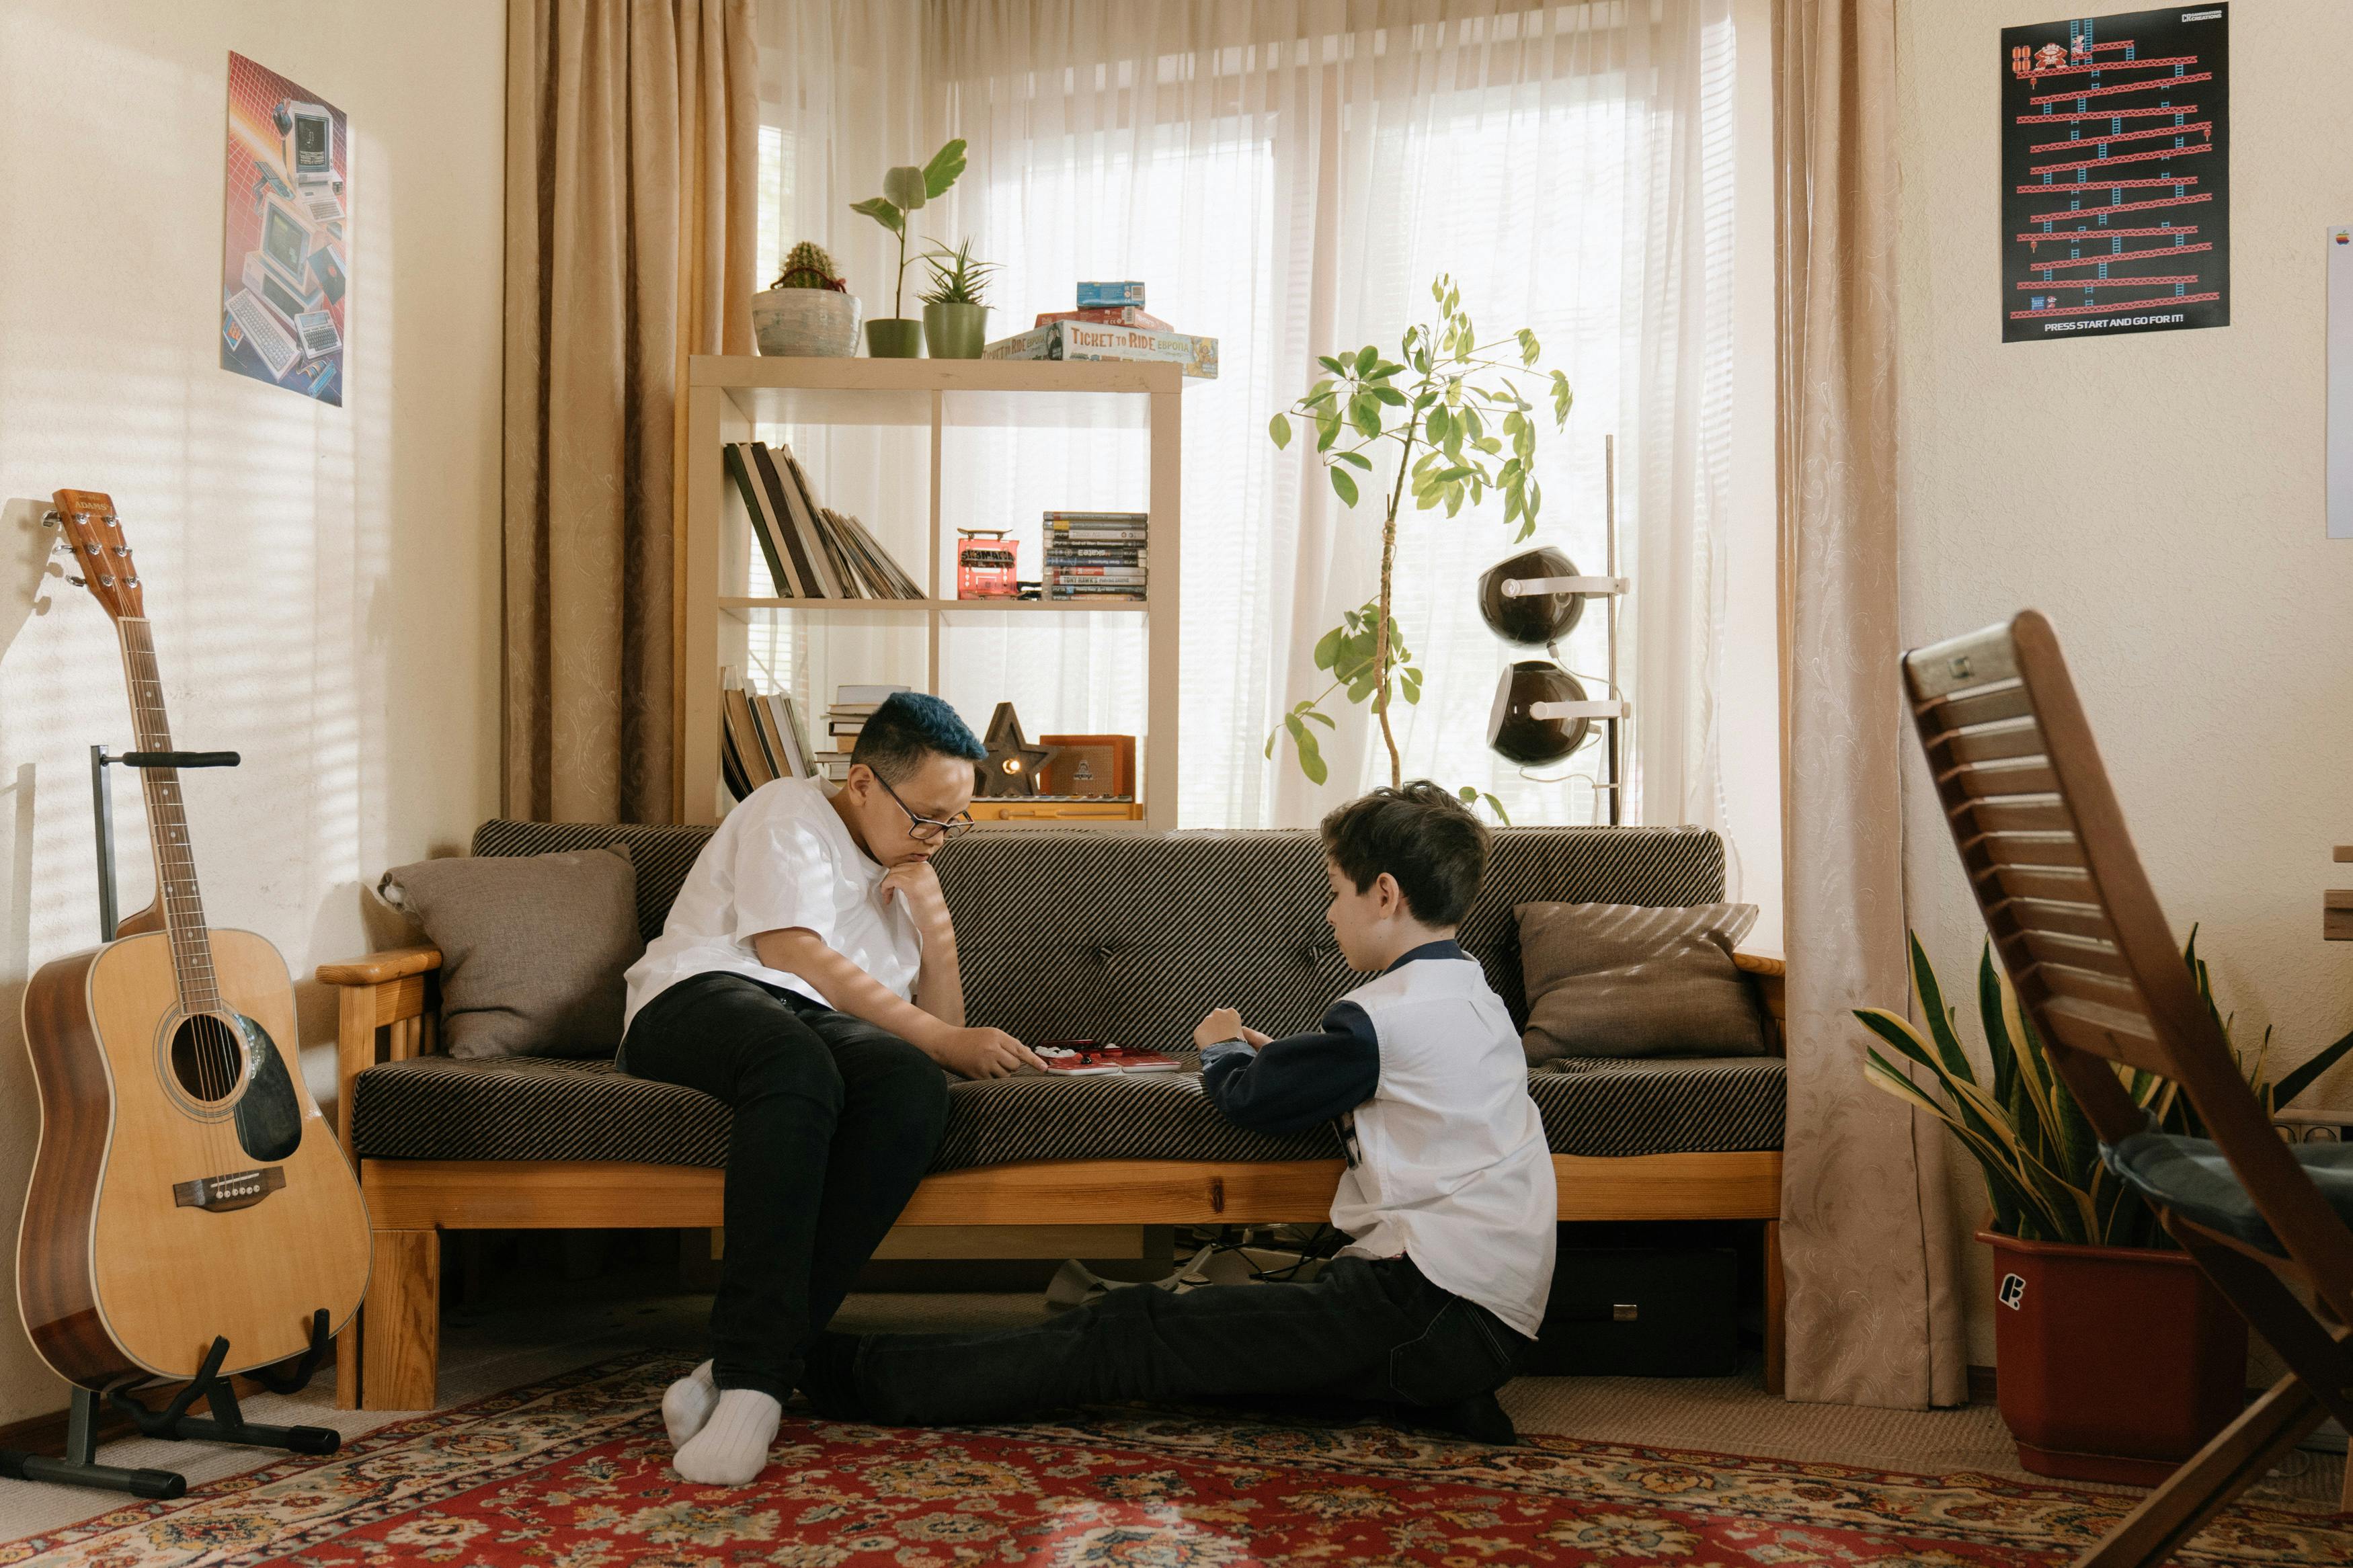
(574, 1473)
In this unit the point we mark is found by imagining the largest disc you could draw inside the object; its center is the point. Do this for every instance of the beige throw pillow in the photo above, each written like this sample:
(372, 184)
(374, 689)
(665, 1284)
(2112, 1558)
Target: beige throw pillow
(533, 947)
(1621, 980)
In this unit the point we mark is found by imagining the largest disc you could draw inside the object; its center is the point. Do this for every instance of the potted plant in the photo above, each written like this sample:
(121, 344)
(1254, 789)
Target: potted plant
(1431, 405)
(809, 311)
(2118, 1358)
(903, 190)
(955, 319)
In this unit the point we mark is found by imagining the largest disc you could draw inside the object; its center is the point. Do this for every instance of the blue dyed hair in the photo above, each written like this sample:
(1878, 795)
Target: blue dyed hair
(908, 726)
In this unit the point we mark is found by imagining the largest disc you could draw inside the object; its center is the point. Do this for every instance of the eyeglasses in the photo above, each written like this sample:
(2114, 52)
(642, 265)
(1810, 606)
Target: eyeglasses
(928, 829)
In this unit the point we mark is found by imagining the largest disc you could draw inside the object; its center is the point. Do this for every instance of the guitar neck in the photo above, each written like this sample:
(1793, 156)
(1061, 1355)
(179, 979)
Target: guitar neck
(167, 824)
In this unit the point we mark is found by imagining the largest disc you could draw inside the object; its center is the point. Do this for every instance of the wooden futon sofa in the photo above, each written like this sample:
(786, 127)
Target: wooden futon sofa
(1062, 932)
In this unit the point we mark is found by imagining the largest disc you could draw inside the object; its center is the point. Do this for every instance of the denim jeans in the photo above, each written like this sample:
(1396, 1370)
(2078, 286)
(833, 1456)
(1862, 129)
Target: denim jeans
(1364, 1329)
(835, 1122)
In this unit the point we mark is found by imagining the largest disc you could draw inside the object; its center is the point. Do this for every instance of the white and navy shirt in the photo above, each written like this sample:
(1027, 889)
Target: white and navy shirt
(1447, 1159)
(782, 859)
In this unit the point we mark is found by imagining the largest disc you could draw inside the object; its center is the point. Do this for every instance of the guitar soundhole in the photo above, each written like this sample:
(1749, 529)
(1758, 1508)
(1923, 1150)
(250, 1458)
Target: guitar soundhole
(207, 1058)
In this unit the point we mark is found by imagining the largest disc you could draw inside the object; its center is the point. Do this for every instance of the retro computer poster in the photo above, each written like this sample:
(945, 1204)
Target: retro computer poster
(284, 252)
(2115, 174)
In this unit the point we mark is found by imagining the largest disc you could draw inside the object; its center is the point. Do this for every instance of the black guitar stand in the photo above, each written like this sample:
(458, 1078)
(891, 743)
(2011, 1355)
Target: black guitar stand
(226, 1424)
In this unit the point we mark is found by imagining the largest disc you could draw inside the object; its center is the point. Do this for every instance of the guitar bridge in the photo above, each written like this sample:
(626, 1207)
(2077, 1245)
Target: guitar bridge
(238, 1190)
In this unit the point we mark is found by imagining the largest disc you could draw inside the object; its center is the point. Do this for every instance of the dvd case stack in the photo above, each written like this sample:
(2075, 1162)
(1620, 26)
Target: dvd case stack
(1097, 555)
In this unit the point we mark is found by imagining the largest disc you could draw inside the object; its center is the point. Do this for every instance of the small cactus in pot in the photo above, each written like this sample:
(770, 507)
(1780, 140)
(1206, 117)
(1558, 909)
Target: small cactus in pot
(807, 266)
(809, 312)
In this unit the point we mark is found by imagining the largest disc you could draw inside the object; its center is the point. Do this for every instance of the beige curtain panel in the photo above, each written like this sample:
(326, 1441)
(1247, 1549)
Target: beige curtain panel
(1866, 1233)
(632, 164)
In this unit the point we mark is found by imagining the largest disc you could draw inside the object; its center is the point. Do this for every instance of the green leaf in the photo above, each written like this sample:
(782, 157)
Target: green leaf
(1448, 476)
(1366, 414)
(1366, 357)
(2296, 1081)
(882, 212)
(904, 186)
(1334, 367)
(1354, 460)
(1278, 430)
(1327, 430)
(1327, 647)
(1390, 394)
(1342, 486)
(1319, 716)
(1410, 682)
(942, 171)
(1435, 425)
(1528, 350)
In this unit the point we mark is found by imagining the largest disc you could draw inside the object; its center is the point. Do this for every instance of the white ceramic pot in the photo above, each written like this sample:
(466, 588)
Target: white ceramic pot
(806, 322)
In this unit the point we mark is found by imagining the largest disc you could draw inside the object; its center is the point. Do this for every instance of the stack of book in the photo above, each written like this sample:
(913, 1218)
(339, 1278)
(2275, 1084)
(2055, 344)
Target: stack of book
(1110, 322)
(852, 705)
(1095, 556)
(812, 551)
(760, 740)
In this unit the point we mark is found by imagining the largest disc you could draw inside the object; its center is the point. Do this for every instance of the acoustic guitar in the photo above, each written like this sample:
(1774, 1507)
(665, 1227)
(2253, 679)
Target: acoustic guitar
(186, 1187)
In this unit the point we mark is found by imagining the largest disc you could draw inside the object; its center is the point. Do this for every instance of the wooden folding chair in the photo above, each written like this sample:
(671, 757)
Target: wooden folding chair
(2098, 972)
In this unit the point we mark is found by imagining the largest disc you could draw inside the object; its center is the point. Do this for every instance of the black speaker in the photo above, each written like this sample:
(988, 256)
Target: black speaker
(1649, 1311)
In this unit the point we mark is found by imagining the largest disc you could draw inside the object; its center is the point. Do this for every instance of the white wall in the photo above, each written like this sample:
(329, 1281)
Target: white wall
(323, 581)
(2160, 497)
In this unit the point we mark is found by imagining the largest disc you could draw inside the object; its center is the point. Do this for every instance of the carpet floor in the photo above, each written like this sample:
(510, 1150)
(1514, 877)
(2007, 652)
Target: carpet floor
(571, 1471)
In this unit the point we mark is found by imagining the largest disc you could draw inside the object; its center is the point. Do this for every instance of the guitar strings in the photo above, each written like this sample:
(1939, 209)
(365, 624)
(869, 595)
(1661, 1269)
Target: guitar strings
(215, 1062)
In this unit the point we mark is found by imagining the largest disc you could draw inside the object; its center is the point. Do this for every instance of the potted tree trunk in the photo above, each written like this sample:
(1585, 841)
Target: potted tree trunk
(2118, 1359)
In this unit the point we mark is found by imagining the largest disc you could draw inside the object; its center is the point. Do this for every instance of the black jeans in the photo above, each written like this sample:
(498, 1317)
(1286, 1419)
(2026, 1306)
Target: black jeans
(1363, 1329)
(836, 1122)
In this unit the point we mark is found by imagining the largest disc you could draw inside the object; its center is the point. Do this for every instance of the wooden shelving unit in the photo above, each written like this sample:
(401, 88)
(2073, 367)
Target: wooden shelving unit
(730, 398)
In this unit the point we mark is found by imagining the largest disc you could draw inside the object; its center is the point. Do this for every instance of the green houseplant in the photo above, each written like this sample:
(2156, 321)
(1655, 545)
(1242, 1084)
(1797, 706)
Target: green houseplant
(955, 317)
(906, 189)
(2118, 1359)
(809, 311)
(1450, 413)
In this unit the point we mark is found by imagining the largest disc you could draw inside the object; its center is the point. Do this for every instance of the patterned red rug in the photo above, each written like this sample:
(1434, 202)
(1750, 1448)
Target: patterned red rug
(573, 1473)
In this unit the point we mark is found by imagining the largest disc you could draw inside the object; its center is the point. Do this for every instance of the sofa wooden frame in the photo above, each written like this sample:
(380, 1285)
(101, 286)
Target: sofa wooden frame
(390, 1361)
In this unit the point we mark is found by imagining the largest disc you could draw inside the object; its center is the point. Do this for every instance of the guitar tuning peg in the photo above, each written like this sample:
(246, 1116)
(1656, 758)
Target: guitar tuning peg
(50, 518)
(79, 582)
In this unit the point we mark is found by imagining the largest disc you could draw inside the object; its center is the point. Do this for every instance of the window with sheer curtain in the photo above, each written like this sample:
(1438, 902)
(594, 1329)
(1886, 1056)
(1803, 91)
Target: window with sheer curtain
(1289, 176)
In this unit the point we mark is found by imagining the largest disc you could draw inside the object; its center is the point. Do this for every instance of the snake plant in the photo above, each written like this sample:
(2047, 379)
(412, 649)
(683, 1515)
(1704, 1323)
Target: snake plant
(2039, 1155)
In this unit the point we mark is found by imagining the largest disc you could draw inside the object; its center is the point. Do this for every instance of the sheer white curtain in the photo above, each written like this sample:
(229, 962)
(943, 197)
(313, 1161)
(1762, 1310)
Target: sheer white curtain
(1288, 176)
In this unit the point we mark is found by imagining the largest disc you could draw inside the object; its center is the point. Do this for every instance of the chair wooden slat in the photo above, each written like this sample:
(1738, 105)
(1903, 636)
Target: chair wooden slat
(2110, 1031)
(2080, 951)
(2091, 985)
(2061, 884)
(2015, 814)
(2066, 918)
(1978, 705)
(2030, 849)
(1981, 781)
(1990, 742)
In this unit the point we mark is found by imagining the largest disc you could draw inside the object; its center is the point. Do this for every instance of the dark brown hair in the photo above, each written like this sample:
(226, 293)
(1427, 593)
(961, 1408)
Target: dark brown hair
(1421, 835)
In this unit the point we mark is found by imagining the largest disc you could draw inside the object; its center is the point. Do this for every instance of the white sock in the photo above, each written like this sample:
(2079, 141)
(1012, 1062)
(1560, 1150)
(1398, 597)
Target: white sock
(688, 1405)
(732, 1446)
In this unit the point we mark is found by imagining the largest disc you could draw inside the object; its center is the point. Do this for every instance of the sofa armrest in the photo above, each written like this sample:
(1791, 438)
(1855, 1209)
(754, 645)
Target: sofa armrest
(385, 1012)
(1769, 975)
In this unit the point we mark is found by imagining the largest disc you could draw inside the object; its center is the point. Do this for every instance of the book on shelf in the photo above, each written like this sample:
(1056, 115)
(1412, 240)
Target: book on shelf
(1108, 316)
(743, 745)
(761, 738)
(783, 724)
(812, 551)
(1095, 294)
(1085, 341)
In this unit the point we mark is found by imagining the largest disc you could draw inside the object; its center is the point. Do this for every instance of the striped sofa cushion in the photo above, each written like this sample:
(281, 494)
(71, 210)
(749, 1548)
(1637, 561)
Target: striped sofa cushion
(1123, 936)
(541, 1108)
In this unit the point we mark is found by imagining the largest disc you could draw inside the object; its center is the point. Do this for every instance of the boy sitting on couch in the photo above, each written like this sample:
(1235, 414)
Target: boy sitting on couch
(808, 976)
(1448, 1196)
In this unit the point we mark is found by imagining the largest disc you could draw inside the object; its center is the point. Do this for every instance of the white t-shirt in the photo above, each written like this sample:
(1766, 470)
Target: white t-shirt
(782, 859)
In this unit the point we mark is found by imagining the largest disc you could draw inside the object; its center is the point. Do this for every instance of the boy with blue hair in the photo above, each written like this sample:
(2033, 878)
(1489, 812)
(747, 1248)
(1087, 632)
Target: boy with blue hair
(808, 976)
(1448, 1196)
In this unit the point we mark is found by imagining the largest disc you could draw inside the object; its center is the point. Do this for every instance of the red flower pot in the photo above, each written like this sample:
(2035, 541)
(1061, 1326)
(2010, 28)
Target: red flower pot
(2117, 1363)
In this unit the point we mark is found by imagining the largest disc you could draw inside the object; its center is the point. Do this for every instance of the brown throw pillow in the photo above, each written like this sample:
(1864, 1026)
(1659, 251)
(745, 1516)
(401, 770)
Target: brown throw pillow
(1619, 980)
(533, 947)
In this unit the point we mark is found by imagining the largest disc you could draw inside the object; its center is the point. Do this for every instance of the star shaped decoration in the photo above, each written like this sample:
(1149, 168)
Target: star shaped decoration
(1012, 764)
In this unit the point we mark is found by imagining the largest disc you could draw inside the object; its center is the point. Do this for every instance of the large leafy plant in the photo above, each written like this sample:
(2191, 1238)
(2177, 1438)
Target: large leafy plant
(2037, 1152)
(1451, 408)
(903, 190)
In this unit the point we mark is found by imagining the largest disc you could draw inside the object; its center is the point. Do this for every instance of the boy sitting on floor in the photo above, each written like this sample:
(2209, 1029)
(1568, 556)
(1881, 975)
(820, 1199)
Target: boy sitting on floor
(1448, 1196)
